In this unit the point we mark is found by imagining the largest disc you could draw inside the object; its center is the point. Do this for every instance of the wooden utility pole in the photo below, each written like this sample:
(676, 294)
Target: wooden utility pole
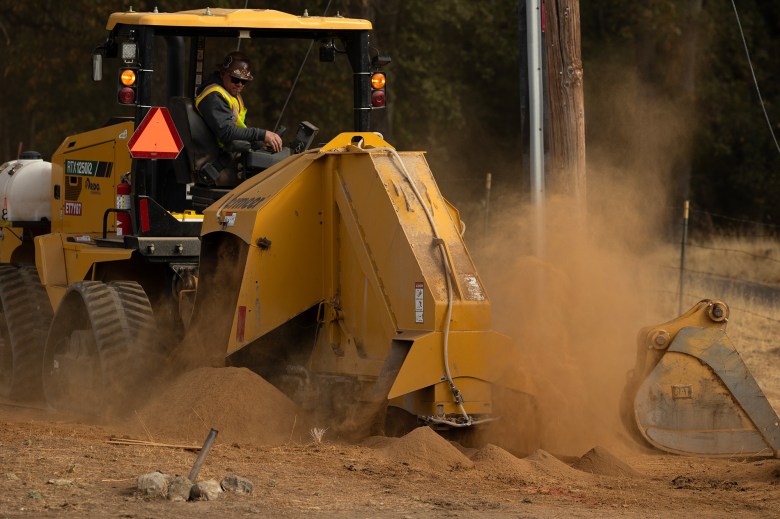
(566, 166)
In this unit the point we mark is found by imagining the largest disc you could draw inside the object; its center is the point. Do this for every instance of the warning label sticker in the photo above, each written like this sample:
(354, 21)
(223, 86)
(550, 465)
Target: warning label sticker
(418, 302)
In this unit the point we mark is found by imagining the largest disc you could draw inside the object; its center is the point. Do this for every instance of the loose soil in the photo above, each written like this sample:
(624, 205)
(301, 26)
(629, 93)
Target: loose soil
(578, 344)
(53, 466)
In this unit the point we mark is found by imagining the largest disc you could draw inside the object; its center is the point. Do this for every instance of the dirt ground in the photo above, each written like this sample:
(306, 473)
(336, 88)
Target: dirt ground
(582, 342)
(51, 465)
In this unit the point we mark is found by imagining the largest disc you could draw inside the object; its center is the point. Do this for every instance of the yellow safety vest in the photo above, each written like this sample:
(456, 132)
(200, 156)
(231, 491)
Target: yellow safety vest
(236, 103)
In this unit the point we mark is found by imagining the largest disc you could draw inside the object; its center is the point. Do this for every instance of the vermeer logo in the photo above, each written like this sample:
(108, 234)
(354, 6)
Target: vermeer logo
(73, 208)
(93, 187)
(244, 203)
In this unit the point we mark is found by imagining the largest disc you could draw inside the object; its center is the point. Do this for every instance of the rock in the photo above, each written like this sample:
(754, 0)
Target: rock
(205, 490)
(60, 482)
(10, 476)
(179, 489)
(154, 484)
(237, 484)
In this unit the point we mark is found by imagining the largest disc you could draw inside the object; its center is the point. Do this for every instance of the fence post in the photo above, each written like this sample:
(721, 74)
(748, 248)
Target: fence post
(488, 182)
(682, 257)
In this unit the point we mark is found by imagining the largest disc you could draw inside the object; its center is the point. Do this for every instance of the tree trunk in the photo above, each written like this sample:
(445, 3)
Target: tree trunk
(566, 171)
(688, 84)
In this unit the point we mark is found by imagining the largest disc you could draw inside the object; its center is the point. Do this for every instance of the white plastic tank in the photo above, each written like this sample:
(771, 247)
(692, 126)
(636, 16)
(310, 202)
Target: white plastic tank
(25, 187)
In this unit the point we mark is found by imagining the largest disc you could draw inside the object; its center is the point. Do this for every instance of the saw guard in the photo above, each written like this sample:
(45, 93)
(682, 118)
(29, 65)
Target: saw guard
(700, 398)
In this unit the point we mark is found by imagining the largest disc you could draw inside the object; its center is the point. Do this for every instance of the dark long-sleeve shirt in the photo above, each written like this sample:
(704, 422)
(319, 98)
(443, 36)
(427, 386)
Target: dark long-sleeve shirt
(222, 121)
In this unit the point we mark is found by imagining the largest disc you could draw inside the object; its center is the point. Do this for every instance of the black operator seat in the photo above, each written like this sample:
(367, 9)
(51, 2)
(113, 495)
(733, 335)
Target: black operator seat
(202, 153)
(200, 145)
(196, 164)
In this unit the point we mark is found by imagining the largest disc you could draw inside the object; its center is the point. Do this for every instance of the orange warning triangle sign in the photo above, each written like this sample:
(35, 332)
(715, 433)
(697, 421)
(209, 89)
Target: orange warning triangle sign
(156, 137)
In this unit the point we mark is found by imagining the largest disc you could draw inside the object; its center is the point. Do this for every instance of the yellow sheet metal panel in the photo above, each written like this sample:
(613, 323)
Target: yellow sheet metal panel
(61, 262)
(343, 140)
(477, 394)
(238, 212)
(471, 309)
(80, 257)
(371, 224)
(9, 241)
(291, 222)
(238, 18)
(437, 400)
(85, 171)
(50, 259)
(484, 355)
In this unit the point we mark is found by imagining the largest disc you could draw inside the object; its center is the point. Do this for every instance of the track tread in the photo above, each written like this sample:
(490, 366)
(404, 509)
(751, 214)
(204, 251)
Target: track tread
(27, 313)
(122, 322)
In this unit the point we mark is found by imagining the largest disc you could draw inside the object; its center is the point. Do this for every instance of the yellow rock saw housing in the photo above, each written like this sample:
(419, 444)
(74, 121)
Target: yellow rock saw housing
(336, 270)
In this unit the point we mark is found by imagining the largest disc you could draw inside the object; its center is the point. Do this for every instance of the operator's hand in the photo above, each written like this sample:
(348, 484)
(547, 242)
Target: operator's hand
(273, 140)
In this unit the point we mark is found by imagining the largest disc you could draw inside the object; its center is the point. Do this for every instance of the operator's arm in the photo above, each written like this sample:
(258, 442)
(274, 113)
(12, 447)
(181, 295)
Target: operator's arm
(221, 120)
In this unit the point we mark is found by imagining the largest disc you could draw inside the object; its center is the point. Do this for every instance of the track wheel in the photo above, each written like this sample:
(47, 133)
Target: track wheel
(99, 352)
(25, 314)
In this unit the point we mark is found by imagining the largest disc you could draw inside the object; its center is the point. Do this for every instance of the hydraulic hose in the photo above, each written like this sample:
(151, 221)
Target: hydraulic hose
(449, 270)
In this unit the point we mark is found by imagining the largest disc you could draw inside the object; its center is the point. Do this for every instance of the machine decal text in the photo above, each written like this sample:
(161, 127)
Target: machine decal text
(245, 203)
(73, 208)
(418, 302)
(682, 392)
(88, 168)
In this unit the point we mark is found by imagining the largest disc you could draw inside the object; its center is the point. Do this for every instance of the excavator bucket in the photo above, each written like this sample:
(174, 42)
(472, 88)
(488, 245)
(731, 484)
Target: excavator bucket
(691, 393)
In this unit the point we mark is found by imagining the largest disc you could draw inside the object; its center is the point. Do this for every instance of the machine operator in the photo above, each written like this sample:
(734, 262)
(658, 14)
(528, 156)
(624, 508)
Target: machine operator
(223, 109)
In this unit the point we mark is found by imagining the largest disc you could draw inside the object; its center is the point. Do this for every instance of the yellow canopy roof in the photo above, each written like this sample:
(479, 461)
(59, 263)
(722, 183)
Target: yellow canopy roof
(238, 18)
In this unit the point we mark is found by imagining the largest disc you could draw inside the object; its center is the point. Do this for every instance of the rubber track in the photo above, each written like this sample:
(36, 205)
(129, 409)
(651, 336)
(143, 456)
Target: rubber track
(119, 314)
(28, 314)
(138, 312)
(145, 355)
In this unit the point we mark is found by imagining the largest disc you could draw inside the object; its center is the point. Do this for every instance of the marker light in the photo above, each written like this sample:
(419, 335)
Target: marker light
(378, 98)
(378, 80)
(127, 77)
(378, 90)
(126, 96)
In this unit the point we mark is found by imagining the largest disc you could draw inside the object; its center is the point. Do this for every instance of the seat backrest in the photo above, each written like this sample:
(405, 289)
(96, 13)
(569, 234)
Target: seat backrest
(200, 145)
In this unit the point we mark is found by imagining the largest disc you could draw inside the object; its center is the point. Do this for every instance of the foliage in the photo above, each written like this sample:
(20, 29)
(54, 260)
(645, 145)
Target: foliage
(454, 86)
(733, 160)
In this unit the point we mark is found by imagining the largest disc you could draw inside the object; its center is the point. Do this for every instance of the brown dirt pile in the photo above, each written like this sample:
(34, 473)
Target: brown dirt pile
(599, 460)
(547, 464)
(425, 450)
(240, 404)
(499, 463)
(539, 467)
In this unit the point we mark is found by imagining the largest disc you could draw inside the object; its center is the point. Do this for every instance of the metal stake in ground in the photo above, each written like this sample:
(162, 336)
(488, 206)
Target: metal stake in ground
(202, 455)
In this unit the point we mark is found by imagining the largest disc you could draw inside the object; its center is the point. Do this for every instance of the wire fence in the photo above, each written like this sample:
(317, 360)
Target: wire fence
(746, 230)
(708, 223)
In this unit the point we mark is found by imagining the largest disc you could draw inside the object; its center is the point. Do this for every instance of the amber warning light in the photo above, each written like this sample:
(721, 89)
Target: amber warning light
(127, 90)
(156, 137)
(378, 92)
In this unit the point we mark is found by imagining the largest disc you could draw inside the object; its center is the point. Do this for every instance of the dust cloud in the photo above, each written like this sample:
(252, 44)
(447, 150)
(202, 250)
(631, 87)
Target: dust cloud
(571, 287)
(574, 305)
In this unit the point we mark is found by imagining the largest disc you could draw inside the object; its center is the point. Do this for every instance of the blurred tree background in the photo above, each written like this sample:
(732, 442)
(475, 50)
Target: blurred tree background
(669, 95)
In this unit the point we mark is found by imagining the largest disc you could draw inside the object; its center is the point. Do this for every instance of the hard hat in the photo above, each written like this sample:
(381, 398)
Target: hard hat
(237, 65)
